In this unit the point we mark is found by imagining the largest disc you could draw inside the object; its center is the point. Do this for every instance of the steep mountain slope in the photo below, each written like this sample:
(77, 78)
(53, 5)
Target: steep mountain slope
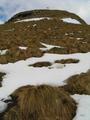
(44, 62)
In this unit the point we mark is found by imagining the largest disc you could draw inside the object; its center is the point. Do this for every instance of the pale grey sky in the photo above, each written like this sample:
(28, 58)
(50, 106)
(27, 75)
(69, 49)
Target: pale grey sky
(10, 7)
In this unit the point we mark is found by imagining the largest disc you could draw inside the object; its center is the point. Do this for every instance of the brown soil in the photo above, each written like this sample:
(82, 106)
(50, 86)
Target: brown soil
(41, 103)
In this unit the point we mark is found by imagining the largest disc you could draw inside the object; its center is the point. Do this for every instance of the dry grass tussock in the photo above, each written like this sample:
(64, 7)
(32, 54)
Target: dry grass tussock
(41, 103)
(67, 61)
(79, 84)
(15, 54)
(41, 64)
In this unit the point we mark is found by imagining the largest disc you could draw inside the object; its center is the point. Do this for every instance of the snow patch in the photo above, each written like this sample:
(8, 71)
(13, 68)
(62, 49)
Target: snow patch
(83, 110)
(34, 25)
(20, 73)
(3, 52)
(70, 20)
(22, 47)
(57, 65)
(48, 47)
(79, 38)
(3, 106)
(33, 19)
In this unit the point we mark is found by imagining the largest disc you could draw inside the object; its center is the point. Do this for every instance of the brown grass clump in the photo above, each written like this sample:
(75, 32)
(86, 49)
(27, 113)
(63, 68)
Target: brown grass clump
(79, 84)
(41, 64)
(58, 50)
(67, 61)
(41, 103)
(15, 54)
(1, 77)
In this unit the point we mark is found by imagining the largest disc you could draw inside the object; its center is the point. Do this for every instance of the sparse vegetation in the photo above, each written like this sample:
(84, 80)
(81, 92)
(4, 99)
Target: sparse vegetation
(41, 103)
(67, 61)
(79, 84)
(45, 102)
(41, 64)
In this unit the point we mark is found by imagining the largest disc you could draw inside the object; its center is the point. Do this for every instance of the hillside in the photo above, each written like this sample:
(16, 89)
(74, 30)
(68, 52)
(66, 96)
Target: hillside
(45, 66)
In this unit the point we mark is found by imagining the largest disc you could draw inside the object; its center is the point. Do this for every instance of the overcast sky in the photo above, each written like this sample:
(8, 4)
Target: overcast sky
(9, 7)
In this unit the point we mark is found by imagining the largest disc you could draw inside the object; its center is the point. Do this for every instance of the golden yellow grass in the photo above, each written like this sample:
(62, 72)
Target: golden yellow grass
(41, 103)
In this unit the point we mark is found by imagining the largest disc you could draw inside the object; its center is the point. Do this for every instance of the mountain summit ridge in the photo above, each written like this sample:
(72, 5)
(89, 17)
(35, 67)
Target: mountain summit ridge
(46, 13)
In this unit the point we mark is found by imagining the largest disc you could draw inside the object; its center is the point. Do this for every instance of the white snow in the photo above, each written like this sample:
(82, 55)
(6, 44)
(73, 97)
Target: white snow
(3, 52)
(4, 103)
(83, 110)
(34, 25)
(33, 19)
(20, 73)
(70, 20)
(48, 47)
(3, 106)
(79, 38)
(66, 34)
(57, 65)
(22, 47)
(7, 98)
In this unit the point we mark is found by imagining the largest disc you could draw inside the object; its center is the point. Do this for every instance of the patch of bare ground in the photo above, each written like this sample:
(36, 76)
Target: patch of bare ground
(67, 61)
(41, 64)
(1, 77)
(41, 103)
(78, 84)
